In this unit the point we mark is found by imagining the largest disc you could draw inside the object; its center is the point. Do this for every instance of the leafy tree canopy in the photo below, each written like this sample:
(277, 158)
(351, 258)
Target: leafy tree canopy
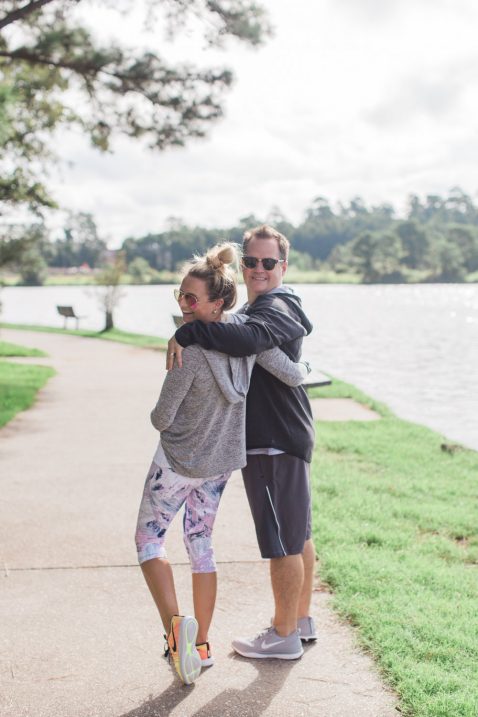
(54, 72)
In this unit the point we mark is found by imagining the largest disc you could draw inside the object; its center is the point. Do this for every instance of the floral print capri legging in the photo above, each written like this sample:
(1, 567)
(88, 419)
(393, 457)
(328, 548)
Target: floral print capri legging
(164, 493)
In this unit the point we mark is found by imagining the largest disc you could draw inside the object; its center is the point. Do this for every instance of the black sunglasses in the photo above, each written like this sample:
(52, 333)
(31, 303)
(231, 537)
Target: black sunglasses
(250, 262)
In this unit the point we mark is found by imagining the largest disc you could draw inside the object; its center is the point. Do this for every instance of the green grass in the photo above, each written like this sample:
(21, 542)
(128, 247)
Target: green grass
(122, 337)
(7, 349)
(160, 277)
(19, 385)
(396, 531)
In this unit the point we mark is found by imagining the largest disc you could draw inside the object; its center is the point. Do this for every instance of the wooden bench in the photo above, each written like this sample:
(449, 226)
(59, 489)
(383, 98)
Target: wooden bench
(68, 313)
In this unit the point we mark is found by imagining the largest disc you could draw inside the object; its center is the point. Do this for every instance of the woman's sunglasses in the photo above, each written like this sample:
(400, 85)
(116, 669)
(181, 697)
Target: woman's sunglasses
(191, 300)
(250, 262)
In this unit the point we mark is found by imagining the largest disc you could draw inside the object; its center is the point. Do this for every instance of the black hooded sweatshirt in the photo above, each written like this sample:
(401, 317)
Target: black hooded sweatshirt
(277, 416)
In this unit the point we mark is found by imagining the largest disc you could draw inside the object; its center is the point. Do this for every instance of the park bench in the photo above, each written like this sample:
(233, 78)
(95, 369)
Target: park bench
(68, 313)
(314, 379)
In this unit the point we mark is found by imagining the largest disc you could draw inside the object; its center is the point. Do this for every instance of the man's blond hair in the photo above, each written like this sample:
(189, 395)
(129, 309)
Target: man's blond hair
(266, 232)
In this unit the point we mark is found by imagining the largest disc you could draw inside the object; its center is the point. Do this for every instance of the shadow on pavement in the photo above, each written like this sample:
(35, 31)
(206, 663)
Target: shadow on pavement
(165, 703)
(253, 699)
(248, 702)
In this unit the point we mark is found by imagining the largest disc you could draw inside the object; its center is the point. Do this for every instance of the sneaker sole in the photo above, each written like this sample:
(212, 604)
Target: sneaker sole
(312, 638)
(260, 655)
(189, 662)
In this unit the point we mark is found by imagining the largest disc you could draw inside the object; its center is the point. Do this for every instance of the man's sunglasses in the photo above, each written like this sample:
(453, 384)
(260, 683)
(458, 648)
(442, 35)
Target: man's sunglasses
(191, 300)
(250, 262)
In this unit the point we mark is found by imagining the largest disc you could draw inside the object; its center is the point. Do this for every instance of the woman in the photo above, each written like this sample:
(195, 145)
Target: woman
(201, 417)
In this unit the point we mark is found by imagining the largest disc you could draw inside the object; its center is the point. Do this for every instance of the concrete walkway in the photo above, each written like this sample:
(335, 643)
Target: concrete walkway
(80, 636)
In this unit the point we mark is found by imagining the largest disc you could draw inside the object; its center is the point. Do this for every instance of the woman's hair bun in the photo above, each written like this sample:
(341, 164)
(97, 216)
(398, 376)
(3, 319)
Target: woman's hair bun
(221, 254)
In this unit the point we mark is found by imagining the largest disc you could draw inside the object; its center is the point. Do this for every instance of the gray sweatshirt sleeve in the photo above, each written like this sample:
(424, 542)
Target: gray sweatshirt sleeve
(175, 387)
(282, 367)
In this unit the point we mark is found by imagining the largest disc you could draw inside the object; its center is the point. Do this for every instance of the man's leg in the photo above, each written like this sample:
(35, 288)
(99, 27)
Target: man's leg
(287, 578)
(277, 488)
(287, 574)
(292, 575)
(308, 559)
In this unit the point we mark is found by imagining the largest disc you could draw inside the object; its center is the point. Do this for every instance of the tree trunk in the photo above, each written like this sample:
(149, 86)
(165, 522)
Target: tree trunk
(109, 321)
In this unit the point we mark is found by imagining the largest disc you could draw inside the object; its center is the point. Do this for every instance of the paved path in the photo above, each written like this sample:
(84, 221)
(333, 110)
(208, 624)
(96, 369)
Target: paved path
(79, 634)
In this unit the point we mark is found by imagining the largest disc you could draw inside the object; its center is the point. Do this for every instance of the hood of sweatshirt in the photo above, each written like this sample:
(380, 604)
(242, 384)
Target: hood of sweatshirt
(232, 374)
(287, 294)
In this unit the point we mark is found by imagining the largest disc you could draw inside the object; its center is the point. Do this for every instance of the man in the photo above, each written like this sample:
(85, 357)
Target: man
(279, 439)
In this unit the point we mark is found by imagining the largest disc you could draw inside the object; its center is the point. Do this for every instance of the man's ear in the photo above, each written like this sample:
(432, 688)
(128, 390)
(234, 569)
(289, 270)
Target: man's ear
(284, 267)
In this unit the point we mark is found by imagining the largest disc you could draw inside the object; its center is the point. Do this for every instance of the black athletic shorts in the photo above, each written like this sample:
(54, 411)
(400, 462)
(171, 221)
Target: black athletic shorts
(278, 490)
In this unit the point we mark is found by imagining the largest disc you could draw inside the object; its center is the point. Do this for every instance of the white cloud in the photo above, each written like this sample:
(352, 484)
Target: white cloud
(372, 98)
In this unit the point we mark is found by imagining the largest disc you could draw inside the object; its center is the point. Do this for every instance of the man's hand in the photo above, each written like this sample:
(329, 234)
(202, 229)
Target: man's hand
(175, 351)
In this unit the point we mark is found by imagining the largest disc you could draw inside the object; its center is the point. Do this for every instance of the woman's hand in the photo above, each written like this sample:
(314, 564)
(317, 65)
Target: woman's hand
(175, 351)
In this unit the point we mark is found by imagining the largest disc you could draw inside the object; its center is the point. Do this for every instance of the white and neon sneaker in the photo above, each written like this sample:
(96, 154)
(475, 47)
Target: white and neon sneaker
(205, 654)
(182, 647)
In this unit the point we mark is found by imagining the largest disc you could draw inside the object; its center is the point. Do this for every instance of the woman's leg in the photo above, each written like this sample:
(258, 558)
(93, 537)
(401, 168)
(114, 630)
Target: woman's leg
(199, 516)
(160, 581)
(204, 597)
(164, 494)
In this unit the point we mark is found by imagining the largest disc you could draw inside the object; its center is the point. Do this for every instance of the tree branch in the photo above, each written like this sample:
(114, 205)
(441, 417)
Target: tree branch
(130, 82)
(34, 59)
(22, 12)
(125, 91)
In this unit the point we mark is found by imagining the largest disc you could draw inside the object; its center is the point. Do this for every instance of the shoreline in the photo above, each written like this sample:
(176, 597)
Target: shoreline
(303, 279)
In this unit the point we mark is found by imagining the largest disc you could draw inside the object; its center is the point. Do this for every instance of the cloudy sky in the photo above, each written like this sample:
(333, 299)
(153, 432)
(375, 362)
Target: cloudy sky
(377, 98)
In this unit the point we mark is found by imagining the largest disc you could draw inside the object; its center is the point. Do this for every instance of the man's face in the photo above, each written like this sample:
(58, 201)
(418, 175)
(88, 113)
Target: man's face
(259, 281)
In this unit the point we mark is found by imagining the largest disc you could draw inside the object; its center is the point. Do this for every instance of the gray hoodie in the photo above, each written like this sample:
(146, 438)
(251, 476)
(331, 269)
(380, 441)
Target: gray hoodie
(201, 410)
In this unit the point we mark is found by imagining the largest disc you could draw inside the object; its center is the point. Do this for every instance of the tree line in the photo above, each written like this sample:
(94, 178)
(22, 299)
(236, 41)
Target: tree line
(436, 240)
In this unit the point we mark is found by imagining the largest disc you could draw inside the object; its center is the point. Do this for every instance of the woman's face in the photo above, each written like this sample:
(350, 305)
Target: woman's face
(194, 301)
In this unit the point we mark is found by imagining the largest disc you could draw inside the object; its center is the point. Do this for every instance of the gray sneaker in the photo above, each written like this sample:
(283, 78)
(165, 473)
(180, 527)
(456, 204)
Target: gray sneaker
(269, 643)
(306, 627)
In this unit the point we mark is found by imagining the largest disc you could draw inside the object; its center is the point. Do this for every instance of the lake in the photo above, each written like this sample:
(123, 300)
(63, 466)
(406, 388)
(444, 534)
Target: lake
(413, 347)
